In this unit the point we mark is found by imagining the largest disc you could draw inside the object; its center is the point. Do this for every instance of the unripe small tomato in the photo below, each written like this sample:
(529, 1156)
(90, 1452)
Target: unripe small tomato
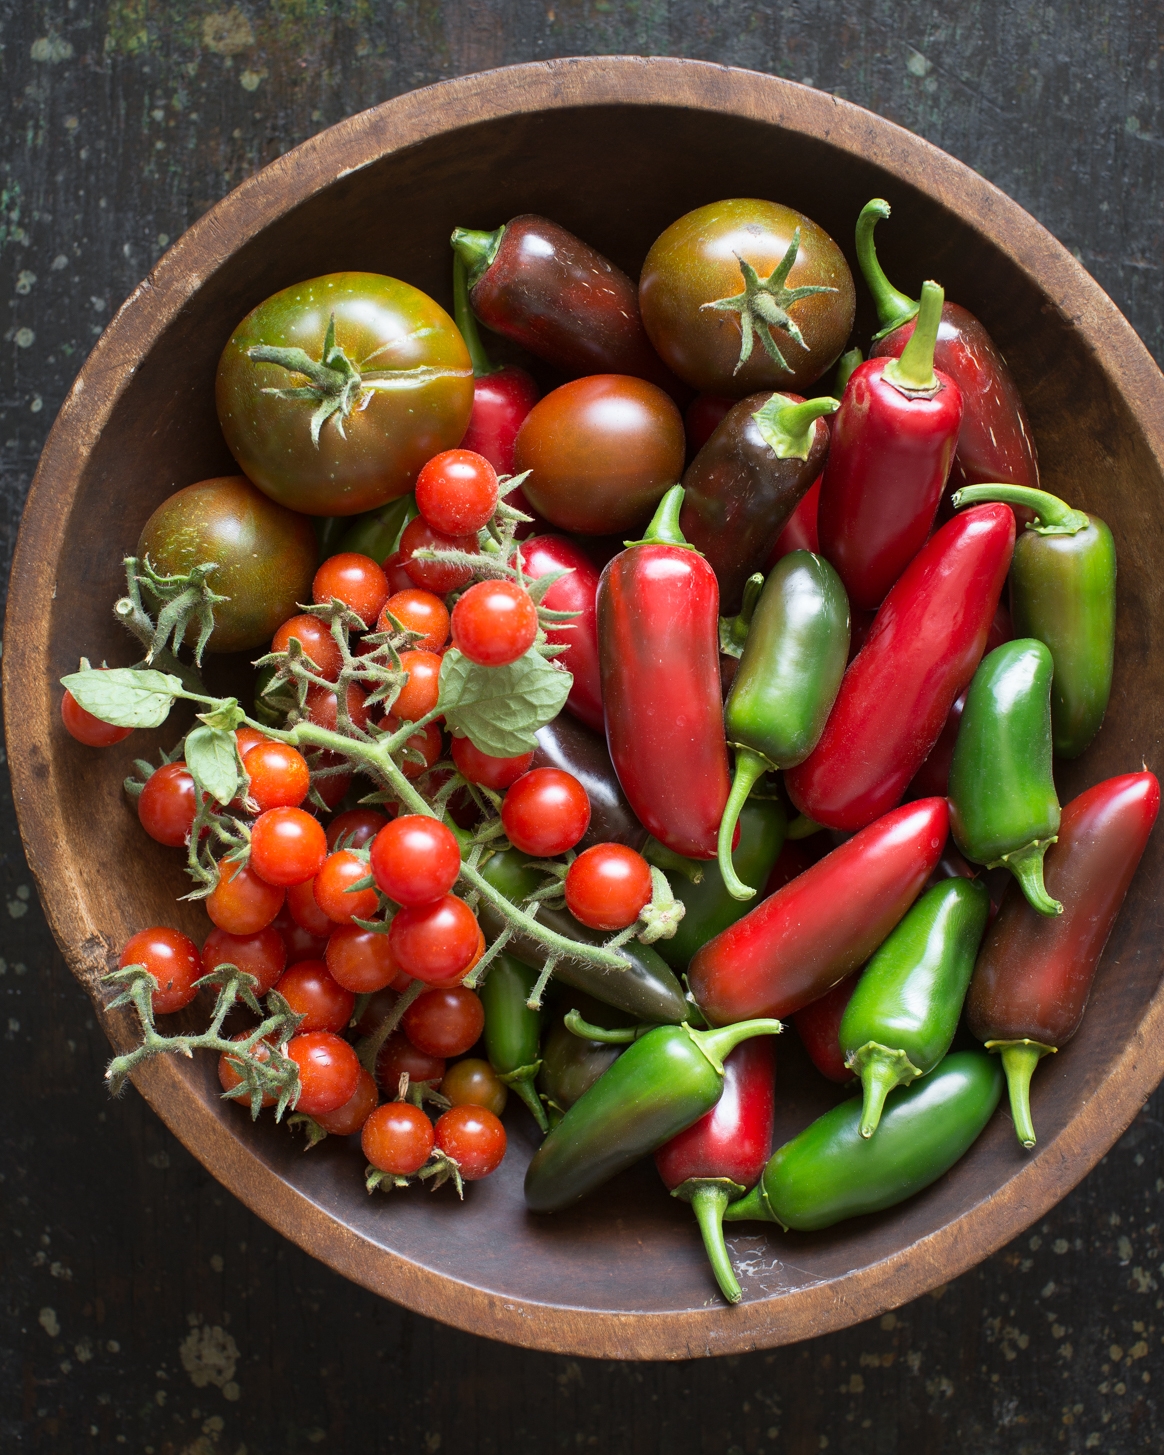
(473, 1082)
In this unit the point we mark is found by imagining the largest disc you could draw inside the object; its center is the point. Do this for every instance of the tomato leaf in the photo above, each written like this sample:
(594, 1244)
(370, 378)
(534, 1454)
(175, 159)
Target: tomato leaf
(125, 696)
(213, 762)
(499, 709)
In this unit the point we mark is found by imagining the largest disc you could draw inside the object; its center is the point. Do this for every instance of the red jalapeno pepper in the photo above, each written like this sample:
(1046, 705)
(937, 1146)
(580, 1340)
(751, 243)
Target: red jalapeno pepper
(819, 1027)
(892, 446)
(1034, 975)
(922, 651)
(722, 1155)
(800, 534)
(658, 639)
(577, 592)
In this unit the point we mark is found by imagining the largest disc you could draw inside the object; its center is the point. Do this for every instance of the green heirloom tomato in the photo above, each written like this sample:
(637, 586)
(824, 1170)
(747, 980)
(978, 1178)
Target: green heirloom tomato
(745, 295)
(333, 393)
(266, 555)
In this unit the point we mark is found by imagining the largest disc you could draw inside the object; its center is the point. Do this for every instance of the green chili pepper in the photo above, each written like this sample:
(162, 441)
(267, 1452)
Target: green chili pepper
(904, 1012)
(1003, 806)
(512, 1030)
(657, 1087)
(788, 678)
(328, 530)
(830, 1171)
(571, 1064)
(710, 908)
(1062, 590)
(377, 533)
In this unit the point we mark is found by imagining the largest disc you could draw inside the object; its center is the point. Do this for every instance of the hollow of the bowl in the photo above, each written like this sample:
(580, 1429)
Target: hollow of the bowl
(615, 149)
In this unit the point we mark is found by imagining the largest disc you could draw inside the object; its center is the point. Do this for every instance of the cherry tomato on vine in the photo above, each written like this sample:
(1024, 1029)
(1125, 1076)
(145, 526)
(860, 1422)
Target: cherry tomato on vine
(332, 785)
(173, 960)
(456, 492)
(357, 581)
(229, 1076)
(427, 742)
(494, 623)
(479, 767)
(288, 846)
(397, 1138)
(315, 637)
(376, 1009)
(323, 706)
(418, 696)
(333, 894)
(415, 859)
(444, 1022)
(241, 903)
(435, 942)
(439, 577)
(608, 886)
(263, 954)
(473, 1082)
(355, 829)
(301, 943)
(312, 993)
(399, 1056)
(546, 812)
(279, 775)
(417, 611)
(346, 1120)
(361, 960)
(88, 729)
(167, 804)
(474, 1138)
(328, 1071)
(397, 577)
(305, 910)
(247, 738)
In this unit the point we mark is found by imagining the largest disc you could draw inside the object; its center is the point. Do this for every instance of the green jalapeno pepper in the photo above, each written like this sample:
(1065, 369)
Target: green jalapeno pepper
(788, 678)
(571, 1063)
(904, 1012)
(830, 1171)
(513, 1030)
(1004, 810)
(377, 533)
(1062, 590)
(660, 1085)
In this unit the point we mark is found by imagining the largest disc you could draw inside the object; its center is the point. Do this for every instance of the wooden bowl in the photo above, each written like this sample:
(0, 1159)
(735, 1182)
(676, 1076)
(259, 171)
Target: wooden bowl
(615, 149)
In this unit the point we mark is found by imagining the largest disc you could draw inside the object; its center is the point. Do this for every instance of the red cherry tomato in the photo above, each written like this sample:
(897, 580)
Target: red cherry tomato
(322, 707)
(346, 1120)
(494, 623)
(263, 955)
(241, 903)
(608, 886)
(173, 960)
(456, 492)
(445, 1022)
(427, 742)
(415, 859)
(312, 993)
(288, 846)
(435, 942)
(315, 637)
(418, 611)
(301, 943)
(167, 805)
(247, 738)
(474, 1138)
(328, 1071)
(479, 767)
(355, 829)
(279, 775)
(331, 887)
(419, 694)
(394, 573)
(546, 812)
(305, 910)
(397, 1138)
(361, 960)
(473, 1082)
(332, 787)
(355, 580)
(229, 1076)
(88, 729)
(397, 1056)
(436, 576)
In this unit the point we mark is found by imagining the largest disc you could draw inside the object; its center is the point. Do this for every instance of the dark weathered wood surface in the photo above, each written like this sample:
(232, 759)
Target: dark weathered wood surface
(1011, 1352)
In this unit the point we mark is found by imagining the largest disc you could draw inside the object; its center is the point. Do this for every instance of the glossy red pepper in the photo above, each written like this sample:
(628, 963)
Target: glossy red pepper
(800, 534)
(658, 642)
(892, 446)
(922, 651)
(819, 1025)
(800, 941)
(722, 1155)
(540, 555)
(1034, 973)
(702, 418)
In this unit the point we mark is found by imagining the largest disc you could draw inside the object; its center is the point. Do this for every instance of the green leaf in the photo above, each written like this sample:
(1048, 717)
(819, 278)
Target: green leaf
(213, 761)
(228, 715)
(125, 696)
(500, 708)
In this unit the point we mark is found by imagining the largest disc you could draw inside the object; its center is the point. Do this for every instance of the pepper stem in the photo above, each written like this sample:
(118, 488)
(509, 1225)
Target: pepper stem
(733, 630)
(664, 527)
(709, 1198)
(466, 321)
(753, 1208)
(521, 1082)
(718, 1044)
(847, 365)
(789, 428)
(477, 249)
(803, 827)
(1019, 1059)
(618, 1036)
(1054, 517)
(672, 863)
(893, 308)
(1027, 867)
(913, 373)
(750, 767)
(880, 1068)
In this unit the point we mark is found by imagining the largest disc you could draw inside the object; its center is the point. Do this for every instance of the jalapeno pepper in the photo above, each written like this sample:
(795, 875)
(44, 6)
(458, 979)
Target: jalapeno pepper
(800, 941)
(800, 534)
(512, 1030)
(746, 481)
(1034, 975)
(565, 743)
(905, 1009)
(831, 1172)
(922, 651)
(1004, 811)
(658, 1087)
(1062, 590)
(722, 1154)
(658, 637)
(571, 1064)
(577, 592)
(819, 1027)
(786, 683)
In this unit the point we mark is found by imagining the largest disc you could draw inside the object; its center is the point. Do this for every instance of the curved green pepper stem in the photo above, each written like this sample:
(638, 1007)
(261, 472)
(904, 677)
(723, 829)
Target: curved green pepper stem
(1027, 867)
(672, 863)
(788, 428)
(881, 1069)
(1019, 1059)
(847, 365)
(750, 767)
(893, 308)
(664, 527)
(476, 249)
(913, 373)
(717, 1044)
(709, 1198)
(466, 321)
(619, 1036)
(752, 1208)
(1054, 517)
(733, 630)
(522, 1081)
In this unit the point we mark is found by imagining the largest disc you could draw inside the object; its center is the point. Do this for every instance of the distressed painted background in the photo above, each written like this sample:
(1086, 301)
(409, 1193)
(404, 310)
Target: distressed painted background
(142, 1307)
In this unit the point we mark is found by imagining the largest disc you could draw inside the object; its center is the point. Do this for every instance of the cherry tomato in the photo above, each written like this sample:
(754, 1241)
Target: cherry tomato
(355, 829)
(397, 1056)
(301, 943)
(418, 611)
(167, 804)
(474, 1138)
(346, 1120)
(312, 993)
(427, 743)
(397, 1138)
(602, 451)
(322, 707)
(333, 895)
(361, 960)
(435, 942)
(419, 694)
(501, 401)
(473, 1082)
(445, 1022)
(247, 738)
(279, 775)
(288, 846)
(608, 886)
(241, 903)
(173, 960)
(546, 812)
(332, 787)
(436, 576)
(355, 580)
(456, 492)
(397, 577)
(702, 418)
(263, 955)
(577, 592)
(328, 1071)
(494, 623)
(315, 637)
(479, 767)
(376, 1009)
(230, 1078)
(371, 454)
(305, 910)
(88, 729)
(415, 859)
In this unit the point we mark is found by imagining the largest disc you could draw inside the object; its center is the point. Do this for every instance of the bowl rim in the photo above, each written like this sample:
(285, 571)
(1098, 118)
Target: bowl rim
(285, 183)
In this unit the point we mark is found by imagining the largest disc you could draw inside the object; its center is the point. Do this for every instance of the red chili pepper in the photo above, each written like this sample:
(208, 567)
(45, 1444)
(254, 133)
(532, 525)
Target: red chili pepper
(800, 534)
(722, 1155)
(658, 639)
(800, 941)
(1034, 973)
(892, 446)
(924, 647)
(576, 592)
(702, 418)
(819, 1026)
